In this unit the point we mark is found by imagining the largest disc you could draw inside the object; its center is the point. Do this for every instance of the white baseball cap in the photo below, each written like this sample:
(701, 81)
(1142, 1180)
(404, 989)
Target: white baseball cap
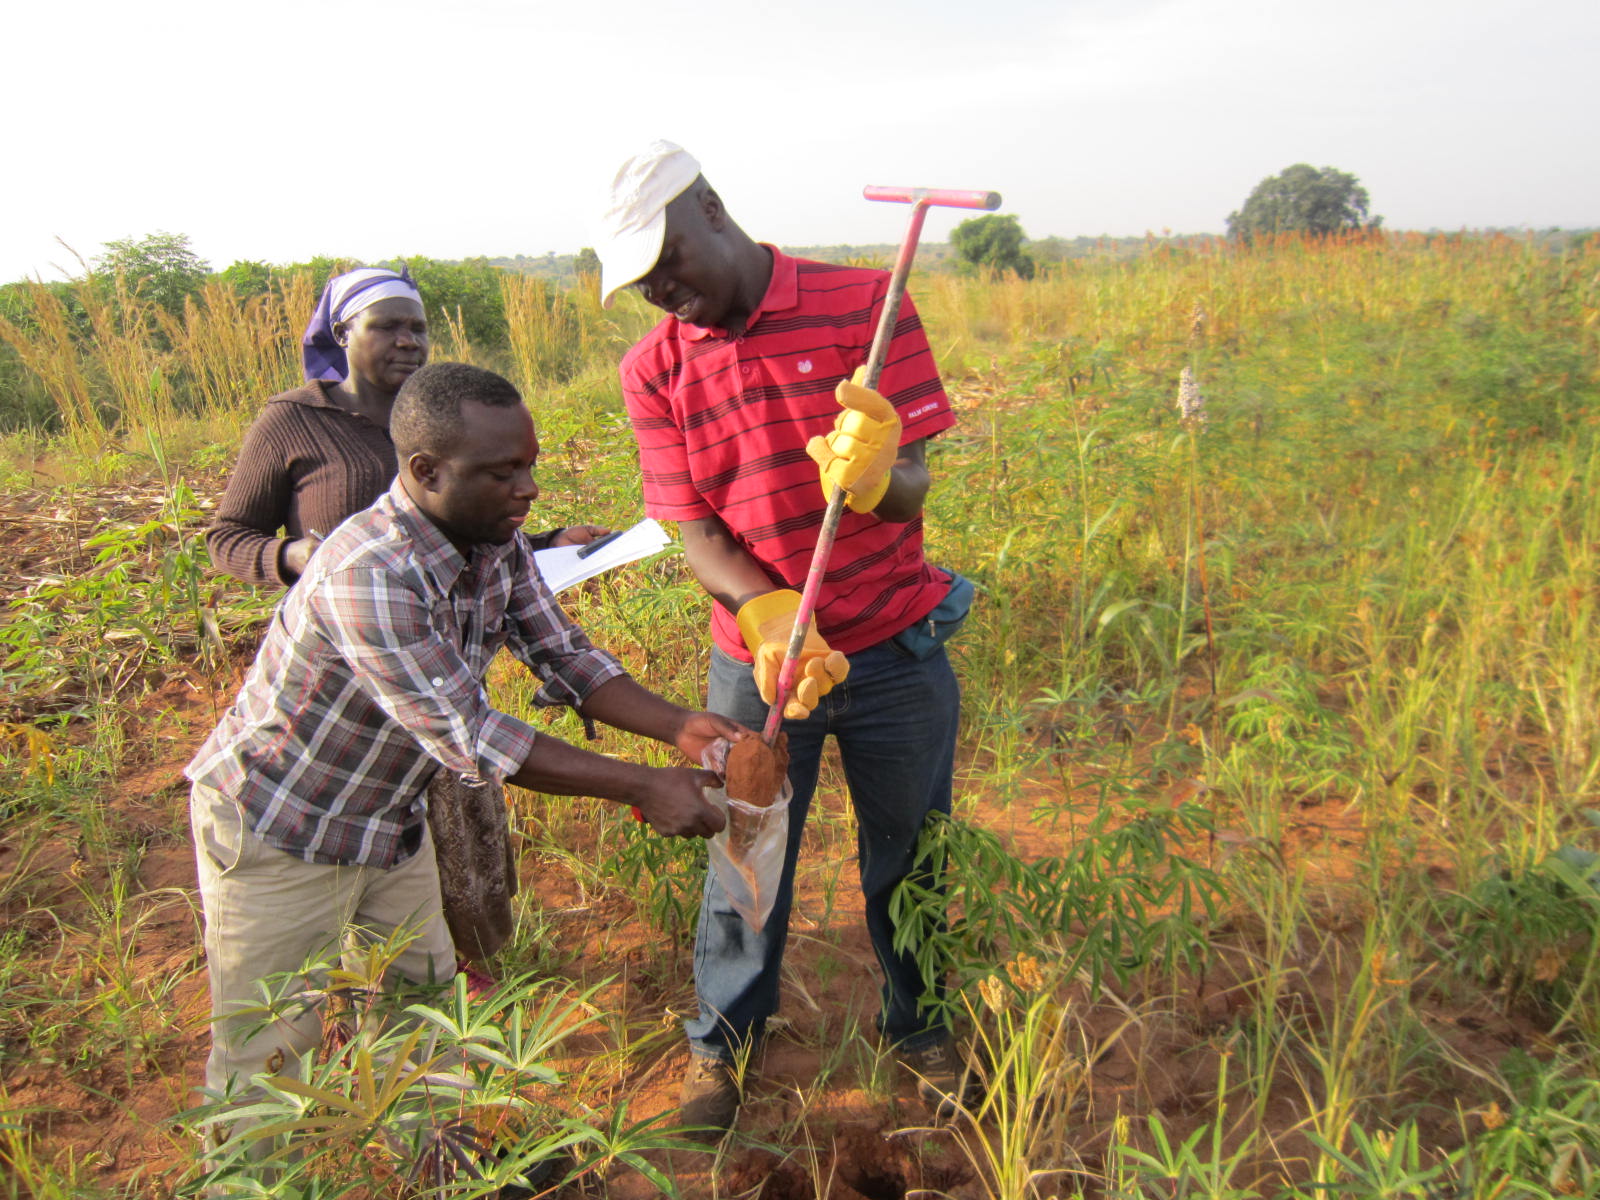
(634, 222)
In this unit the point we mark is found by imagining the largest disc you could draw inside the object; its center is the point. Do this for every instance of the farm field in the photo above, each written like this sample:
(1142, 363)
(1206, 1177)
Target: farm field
(1275, 868)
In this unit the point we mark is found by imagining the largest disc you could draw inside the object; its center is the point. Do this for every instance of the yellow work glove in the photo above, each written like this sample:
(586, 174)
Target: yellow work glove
(863, 445)
(766, 622)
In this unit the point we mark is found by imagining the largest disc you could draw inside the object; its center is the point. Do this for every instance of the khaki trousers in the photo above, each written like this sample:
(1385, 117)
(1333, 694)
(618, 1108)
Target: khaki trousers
(267, 912)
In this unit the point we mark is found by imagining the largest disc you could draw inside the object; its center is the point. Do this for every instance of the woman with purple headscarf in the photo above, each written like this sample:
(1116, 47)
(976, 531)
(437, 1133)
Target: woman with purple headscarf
(321, 452)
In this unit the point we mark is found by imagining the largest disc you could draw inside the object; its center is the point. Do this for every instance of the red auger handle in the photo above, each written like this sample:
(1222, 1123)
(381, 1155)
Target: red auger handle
(944, 197)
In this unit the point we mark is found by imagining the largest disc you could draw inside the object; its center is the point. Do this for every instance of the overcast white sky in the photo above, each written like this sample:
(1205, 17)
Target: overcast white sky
(283, 130)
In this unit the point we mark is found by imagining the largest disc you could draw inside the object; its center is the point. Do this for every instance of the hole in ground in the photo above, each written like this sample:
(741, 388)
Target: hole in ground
(874, 1181)
(873, 1167)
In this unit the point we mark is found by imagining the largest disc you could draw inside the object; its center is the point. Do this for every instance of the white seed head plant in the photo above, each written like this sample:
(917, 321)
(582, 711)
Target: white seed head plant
(1191, 404)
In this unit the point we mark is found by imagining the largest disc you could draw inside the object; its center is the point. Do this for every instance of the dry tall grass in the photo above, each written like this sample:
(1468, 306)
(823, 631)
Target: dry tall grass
(235, 352)
(52, 352)
(549, 337)
(1393, 277)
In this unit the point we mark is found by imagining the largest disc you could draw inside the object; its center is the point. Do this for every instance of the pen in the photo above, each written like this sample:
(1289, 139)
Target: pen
(600, 543)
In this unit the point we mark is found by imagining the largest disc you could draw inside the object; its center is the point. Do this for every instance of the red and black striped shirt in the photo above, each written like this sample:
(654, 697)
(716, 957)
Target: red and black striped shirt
(722, 424)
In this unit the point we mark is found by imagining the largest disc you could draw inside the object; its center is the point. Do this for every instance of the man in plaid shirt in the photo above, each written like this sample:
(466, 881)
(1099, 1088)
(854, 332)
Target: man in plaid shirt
(308, 798)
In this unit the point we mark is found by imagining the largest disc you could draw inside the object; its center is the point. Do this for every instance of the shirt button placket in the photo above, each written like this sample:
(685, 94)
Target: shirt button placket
(746, 370)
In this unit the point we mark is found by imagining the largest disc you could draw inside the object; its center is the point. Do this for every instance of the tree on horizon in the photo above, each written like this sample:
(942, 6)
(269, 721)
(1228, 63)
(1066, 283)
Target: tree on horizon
(1303, 199)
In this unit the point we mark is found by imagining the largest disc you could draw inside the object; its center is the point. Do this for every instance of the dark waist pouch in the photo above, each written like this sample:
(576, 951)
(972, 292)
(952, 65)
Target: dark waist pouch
(920, 639)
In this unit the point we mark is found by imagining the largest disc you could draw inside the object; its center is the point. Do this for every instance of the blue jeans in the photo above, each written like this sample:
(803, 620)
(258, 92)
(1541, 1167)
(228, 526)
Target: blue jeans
(895, 718)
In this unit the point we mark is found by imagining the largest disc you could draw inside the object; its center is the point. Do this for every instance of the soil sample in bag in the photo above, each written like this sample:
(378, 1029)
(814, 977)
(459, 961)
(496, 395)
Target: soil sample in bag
(756, 771)
(748, 854)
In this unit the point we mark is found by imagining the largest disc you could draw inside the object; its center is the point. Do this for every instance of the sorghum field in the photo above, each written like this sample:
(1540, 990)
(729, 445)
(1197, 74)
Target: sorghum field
(1276, 864)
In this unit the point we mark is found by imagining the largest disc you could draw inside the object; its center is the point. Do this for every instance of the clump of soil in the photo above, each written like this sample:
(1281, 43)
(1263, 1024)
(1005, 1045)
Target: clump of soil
(756, 771)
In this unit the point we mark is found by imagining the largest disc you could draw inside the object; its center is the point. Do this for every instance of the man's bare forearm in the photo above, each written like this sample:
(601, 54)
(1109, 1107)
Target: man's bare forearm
(559, 768)
(724, 568)
(623, 703)
(672, 799)
(909, 482)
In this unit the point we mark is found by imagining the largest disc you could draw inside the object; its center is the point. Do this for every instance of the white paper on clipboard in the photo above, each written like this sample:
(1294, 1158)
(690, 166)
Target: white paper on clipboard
(562, 568)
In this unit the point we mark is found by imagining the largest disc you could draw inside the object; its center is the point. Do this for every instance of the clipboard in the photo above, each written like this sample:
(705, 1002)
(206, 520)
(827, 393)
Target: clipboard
(567, 566)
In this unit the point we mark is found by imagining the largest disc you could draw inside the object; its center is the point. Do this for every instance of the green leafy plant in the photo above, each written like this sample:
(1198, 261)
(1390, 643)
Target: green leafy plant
(1125, 898)
(1197, 1168)
(1383, 1166)
(1534, 931)
(1548, 1144)
(452, 1094)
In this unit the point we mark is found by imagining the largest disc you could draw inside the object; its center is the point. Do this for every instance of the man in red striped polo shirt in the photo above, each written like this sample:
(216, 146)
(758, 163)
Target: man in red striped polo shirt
(749, 367)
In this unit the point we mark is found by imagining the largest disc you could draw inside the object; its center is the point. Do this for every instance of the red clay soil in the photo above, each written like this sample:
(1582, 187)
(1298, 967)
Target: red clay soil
(756, 771)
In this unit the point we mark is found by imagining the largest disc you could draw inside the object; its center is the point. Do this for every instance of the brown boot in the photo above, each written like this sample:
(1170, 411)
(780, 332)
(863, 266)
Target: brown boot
(944, 1078)
(710, 1098)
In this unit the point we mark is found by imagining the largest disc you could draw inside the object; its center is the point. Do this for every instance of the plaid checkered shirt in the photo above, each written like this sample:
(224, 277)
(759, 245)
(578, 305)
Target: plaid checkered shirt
(371, 678)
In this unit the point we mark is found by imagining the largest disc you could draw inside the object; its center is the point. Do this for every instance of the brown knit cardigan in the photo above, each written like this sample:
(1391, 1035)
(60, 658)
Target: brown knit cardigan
(306, 464)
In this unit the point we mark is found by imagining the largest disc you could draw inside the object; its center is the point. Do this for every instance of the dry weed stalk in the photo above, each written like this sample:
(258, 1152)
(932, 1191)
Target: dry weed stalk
(450, 340)
(548, 340)
(126, 348)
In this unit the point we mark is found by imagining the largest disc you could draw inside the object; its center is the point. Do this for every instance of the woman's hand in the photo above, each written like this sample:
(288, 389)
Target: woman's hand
(297, 553)
(578, 535)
